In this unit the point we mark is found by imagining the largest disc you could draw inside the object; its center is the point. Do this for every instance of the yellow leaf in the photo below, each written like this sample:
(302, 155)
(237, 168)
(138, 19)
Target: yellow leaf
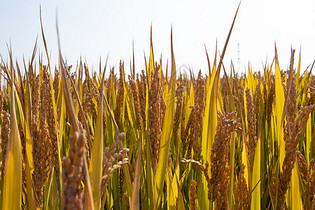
(278, 115)
(173, 190)
(12, 187)
(150, 68)
(136, 183)
(167, 127)
(96, 164)
(255, 204)
(308, 140)
(208, 133)
(244, 161)
(29, 165)
(294, 192)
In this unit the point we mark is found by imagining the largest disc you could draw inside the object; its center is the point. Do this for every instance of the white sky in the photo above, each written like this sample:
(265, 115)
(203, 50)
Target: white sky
(95, 28)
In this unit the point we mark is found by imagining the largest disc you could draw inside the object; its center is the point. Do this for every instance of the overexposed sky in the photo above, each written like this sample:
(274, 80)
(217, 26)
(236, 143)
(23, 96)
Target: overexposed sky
(93, 29)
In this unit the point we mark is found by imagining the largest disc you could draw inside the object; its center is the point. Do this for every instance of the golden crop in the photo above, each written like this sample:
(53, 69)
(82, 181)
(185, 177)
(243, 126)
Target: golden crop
(74, 139)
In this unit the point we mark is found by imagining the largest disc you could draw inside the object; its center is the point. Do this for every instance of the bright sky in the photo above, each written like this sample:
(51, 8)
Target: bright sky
(93, 29)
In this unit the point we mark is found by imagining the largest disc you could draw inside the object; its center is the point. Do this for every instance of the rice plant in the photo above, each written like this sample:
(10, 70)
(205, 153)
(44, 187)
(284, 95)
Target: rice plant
(74, 138)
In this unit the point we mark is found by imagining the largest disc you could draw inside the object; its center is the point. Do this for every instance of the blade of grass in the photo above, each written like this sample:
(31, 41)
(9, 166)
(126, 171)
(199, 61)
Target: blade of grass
(294, 195)
(256, 196)
(279, 111)
(49, 194)
(81, 108)
(227, 40)
(96, 165)
(208, 60)
(53, 104)
(174, 188)
(29, 165)
(167, 127)
(151, 58)
(136, 183)
(12, 187)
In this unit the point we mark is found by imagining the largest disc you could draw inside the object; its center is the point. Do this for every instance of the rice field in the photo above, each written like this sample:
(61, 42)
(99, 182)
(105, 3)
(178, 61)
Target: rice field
(73, 138)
